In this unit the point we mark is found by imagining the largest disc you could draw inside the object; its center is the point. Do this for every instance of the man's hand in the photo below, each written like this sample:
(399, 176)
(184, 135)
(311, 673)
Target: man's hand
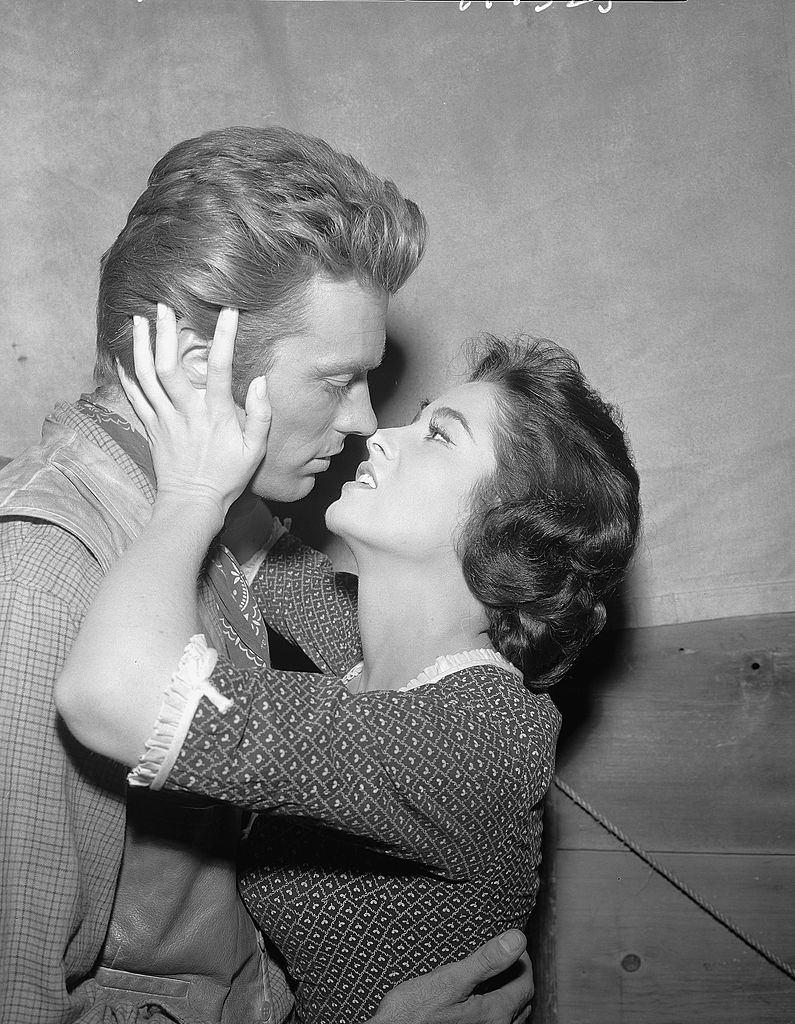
(493, 985)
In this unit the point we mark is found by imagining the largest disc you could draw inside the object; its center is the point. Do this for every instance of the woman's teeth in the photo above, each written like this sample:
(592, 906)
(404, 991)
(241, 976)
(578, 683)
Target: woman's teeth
(365, 478)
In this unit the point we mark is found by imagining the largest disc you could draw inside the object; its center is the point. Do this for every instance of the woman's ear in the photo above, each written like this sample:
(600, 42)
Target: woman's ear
(193, 352)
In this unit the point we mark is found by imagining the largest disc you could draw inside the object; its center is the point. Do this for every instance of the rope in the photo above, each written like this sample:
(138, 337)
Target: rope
(677, 882)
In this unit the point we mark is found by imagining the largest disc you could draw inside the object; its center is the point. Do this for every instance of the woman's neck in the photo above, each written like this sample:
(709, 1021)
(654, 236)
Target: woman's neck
(410, 614)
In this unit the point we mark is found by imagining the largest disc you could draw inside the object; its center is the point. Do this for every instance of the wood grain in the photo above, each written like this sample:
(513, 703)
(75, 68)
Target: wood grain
(683, 736)
(611, 908)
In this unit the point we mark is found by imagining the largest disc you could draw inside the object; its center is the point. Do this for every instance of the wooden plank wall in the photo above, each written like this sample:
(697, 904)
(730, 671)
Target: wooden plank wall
(683, 737)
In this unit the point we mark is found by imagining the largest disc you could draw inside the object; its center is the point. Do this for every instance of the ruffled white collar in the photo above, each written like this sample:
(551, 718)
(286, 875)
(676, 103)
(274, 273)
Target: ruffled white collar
(445, 665)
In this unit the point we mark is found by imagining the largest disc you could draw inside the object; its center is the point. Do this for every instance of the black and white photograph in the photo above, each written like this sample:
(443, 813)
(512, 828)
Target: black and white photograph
(397, 512)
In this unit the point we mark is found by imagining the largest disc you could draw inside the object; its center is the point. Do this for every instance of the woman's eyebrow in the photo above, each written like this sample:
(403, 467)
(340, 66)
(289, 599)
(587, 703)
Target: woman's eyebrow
(454, 414)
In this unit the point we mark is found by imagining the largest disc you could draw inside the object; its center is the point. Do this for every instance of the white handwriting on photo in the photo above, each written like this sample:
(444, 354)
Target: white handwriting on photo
(605, 6)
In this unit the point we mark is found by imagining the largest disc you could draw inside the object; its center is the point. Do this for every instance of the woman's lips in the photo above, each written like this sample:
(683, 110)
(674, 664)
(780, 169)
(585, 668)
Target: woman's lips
(365, 475)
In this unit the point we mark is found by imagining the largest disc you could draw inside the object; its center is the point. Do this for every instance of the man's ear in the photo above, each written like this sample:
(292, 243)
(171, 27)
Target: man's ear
(193, 352)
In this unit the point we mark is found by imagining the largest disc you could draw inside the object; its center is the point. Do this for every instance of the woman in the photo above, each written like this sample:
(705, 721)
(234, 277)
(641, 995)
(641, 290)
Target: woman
(404, 786)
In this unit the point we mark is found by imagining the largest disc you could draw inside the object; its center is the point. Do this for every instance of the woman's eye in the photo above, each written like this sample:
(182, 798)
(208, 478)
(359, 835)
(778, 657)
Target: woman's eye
(436, 433)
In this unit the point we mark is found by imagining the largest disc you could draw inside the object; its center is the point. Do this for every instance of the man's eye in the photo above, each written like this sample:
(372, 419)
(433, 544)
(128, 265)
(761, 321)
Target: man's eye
(338, 386)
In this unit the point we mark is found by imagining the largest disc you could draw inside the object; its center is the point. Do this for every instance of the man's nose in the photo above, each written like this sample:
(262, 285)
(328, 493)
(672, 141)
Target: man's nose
(360, 418)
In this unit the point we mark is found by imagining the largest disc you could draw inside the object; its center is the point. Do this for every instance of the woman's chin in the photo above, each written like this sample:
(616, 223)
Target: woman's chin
(336, 518)
(346, 519)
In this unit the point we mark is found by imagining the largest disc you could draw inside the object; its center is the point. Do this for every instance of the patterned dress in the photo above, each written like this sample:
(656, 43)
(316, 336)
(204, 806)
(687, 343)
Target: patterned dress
(403, 827)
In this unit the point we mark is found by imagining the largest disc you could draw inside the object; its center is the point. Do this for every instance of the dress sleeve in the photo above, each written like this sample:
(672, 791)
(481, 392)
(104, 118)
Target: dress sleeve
(430, 775)
(301, 596)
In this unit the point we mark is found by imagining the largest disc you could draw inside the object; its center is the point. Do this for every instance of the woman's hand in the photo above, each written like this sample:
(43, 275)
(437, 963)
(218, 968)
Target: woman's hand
(204, 448)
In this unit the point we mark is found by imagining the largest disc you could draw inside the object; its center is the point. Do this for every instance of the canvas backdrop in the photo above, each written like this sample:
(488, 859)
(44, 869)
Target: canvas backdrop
(621, 182)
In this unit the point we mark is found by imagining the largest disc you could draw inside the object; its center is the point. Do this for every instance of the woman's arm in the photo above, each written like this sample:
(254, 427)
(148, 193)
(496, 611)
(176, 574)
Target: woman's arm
(131, 640)
(445, 775)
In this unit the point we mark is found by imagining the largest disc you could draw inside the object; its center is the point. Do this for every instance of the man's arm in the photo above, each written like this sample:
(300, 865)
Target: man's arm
(42, 896)
(493, 985)
(61, 808)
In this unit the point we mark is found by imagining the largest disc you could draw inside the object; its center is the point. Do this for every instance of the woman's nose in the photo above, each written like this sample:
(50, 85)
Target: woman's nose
(379, 443)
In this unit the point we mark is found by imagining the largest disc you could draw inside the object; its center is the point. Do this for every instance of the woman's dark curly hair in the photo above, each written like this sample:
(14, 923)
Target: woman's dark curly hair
(553, 529)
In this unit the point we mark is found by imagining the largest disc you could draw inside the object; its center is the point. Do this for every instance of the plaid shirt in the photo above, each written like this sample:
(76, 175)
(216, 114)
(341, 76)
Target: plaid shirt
(62, 813)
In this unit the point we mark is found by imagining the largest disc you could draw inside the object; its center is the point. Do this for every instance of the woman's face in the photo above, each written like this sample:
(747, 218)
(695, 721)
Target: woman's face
(415, 488)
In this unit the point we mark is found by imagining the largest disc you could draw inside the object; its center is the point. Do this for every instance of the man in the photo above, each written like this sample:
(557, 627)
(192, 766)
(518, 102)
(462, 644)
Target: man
(120, 908)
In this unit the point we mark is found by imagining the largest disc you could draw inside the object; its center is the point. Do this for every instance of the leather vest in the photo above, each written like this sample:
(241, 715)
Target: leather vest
(179, 935)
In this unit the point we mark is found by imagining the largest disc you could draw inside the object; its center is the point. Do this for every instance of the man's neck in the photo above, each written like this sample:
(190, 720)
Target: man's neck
(113, 398)
(411, 613)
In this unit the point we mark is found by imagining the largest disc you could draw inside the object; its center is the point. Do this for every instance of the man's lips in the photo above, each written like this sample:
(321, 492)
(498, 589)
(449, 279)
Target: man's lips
(326, 458)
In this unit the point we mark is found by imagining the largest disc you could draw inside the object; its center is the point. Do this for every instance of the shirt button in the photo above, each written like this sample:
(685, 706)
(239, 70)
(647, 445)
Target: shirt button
(266, 1013)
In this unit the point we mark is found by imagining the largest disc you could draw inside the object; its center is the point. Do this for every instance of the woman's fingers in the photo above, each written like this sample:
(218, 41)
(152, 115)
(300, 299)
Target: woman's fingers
(258, 418)
(199, 445)
(145, 366)
(137, 399)
(160, 375)
(219, 361)
(167, 361)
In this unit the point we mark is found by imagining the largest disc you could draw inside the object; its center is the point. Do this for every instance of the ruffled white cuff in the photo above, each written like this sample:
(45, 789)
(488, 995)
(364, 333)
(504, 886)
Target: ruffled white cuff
(187, 687)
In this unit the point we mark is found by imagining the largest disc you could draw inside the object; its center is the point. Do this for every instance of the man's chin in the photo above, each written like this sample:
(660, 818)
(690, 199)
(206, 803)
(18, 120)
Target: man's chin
(282, 490)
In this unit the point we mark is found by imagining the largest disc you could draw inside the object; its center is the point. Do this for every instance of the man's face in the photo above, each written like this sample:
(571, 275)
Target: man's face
(317, 386)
